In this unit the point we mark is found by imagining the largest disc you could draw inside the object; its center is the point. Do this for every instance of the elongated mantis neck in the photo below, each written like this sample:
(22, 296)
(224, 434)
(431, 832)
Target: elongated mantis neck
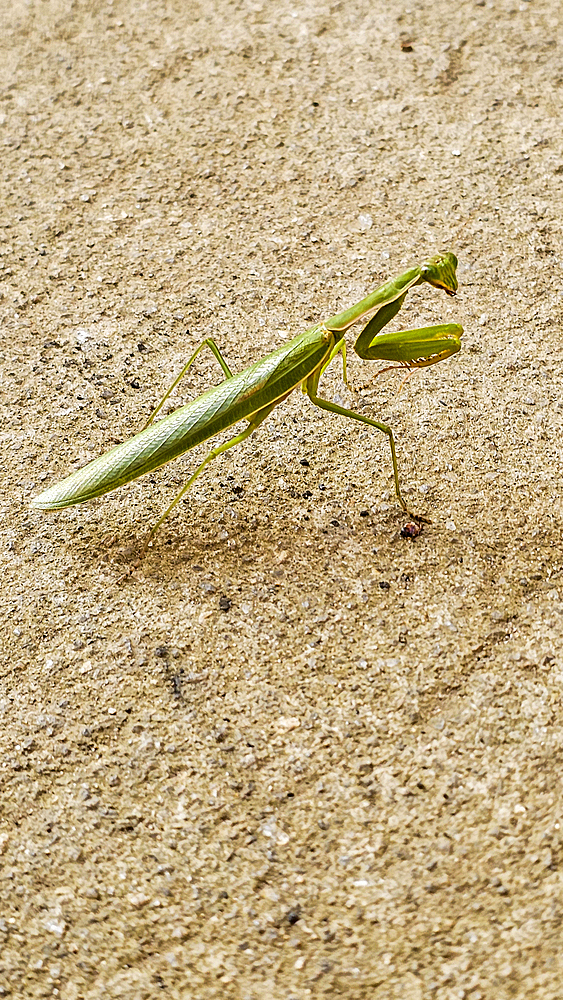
(387, 293)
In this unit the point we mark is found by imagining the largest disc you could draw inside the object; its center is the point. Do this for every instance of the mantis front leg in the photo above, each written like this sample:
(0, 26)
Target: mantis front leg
(409, 348)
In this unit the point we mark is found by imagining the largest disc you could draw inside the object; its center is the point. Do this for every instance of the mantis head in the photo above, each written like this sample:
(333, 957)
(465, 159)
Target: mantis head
(440, 272)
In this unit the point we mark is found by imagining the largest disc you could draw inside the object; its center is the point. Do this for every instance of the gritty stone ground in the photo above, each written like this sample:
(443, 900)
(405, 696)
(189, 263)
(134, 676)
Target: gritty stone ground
(293, 754)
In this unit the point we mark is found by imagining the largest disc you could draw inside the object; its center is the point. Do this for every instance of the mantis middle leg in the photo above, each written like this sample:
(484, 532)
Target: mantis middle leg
(311, 386)
(339, 346)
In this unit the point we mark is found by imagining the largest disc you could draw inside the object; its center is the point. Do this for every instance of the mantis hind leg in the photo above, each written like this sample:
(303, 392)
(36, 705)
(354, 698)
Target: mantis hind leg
(254, 421)
(311, 389)
(208, 342)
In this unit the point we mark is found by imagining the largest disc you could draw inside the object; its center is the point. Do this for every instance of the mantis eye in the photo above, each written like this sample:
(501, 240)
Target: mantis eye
(439, 271)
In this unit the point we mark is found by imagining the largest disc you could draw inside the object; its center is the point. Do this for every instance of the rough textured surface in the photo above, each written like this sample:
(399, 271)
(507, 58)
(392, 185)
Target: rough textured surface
(294, 754)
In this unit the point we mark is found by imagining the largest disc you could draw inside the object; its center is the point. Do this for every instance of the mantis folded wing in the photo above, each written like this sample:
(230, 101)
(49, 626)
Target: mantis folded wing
(253, 393)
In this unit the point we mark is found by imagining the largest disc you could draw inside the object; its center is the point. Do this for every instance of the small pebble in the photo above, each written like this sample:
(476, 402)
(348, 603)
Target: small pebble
(411, 530)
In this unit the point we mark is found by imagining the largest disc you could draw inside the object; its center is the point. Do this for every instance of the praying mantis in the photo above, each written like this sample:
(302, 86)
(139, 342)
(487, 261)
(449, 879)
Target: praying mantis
(252, 394)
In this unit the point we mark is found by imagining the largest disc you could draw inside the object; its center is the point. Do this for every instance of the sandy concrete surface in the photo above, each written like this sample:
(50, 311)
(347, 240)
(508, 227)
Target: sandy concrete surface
(293, 754)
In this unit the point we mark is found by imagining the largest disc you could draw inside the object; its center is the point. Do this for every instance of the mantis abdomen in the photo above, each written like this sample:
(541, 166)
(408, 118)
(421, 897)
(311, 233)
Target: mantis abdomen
(235, 399)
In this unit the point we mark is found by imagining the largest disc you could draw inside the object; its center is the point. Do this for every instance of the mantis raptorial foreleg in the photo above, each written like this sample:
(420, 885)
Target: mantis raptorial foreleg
(408, 349)
(366, 346)
(208, 342)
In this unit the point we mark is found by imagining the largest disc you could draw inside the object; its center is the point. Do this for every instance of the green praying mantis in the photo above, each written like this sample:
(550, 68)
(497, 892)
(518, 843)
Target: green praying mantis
(253, 393)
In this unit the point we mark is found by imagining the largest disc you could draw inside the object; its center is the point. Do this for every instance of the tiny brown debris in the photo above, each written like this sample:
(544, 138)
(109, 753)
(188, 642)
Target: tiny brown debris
(411, 530)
